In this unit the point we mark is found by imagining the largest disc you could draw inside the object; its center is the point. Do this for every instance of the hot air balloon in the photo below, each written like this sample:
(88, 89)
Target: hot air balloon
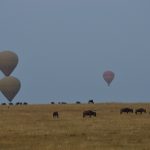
(10, 86)
(108, 76)
(8, 62)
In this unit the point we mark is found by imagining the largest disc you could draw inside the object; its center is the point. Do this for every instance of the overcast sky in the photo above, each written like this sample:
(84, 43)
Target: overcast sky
(64, 46)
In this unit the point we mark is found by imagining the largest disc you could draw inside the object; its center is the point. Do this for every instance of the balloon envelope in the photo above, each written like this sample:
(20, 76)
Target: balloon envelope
(9, 86)
(8, 62)
(108, 76)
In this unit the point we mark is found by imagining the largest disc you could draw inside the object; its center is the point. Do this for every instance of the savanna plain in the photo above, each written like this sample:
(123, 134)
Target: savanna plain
(32, 127)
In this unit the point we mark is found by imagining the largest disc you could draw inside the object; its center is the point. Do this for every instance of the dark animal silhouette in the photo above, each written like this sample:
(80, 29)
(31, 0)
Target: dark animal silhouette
(89, 113)
(18, 103)
(140, 110)
(11, 104)
(55, 114)
(21, 103)
(62, 103)
(3, 104)
(25, 103)
(126, 110)
(78, 102)
(91, 101)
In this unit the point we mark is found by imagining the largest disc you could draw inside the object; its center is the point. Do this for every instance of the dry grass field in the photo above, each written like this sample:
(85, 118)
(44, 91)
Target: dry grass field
(32, 127)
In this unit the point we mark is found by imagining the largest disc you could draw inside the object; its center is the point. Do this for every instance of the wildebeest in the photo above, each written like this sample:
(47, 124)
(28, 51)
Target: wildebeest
(140, 110)
(25, 103)
(89, 113)
(55, 114)
(126, 110)
(3, 104)
(52, 102)
(62, 103)
(11, 104)
(91, 101)
(18, 103)
(21, 103)
(78, 102)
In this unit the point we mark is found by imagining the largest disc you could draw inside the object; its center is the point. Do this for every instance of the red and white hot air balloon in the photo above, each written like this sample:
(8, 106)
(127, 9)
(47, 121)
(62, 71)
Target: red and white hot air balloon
(108, 76)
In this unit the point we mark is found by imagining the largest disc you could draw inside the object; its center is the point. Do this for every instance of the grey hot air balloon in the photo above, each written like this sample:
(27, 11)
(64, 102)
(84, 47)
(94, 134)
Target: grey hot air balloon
(8, 62)
(10, 86)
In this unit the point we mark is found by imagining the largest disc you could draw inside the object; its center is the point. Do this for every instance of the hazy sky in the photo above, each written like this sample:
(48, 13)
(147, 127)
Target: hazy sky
(64, 46)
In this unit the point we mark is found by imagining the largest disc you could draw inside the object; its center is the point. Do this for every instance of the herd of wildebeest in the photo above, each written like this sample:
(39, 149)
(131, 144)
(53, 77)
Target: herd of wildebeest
(89, 113)
(17, 103)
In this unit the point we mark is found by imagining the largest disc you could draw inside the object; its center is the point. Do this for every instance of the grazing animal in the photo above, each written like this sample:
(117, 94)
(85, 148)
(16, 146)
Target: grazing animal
(78, 102)
(140, 110)
(11, 104)
(25, 103)
(55, 114)
(3, 104)
(63, 103)
(91, 101)
(89, 113)
(126, 110)
(18, 103)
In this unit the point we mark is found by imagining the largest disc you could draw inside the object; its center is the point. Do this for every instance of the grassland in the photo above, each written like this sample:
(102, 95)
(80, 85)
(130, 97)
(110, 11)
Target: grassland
(32, 127)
